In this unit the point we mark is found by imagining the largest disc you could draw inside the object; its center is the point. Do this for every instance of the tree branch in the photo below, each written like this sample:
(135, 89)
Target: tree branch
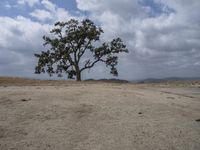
(87, 66)
(80, 53)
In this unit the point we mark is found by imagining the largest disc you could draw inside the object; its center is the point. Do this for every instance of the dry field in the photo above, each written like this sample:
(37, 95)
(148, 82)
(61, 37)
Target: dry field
(65, 115)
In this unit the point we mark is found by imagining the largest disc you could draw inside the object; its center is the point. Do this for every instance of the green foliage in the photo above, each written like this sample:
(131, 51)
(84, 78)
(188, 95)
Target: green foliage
(69, 42)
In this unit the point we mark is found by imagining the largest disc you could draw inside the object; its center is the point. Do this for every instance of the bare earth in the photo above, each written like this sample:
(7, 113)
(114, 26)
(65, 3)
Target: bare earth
(99, 116)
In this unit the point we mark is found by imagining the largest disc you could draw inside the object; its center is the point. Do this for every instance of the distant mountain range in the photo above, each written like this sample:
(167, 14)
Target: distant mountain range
(148, 80)
(156, 80)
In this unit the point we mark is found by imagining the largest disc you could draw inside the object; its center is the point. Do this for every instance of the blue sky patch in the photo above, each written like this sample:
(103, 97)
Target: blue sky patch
(156, 9)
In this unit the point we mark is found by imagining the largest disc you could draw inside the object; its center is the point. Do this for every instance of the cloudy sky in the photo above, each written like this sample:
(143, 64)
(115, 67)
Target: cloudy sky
(163, 36)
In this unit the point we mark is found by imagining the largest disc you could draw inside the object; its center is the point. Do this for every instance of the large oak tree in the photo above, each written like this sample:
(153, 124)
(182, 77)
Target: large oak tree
(74, 46)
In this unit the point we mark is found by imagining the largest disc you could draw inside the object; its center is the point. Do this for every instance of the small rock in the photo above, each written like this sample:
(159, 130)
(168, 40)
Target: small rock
(24, 100)
(170, 97)
(197, 120)
(140, 113)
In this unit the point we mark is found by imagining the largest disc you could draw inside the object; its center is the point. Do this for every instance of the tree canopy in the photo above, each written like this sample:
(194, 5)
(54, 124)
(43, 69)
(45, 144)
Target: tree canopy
(74, 46)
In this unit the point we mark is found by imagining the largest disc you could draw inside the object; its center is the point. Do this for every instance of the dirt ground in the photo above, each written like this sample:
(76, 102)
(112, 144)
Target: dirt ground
(99, 116)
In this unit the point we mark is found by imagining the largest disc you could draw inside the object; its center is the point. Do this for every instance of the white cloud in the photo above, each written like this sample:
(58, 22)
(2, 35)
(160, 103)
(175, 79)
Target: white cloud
(20, 39)
(25, 34)
(31, 3)
(49, 5)
(7, 5)
(50, 12)
(88, 5)
(41, 15)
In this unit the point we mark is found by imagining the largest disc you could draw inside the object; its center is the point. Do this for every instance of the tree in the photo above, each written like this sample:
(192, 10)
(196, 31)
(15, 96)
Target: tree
(75, 46)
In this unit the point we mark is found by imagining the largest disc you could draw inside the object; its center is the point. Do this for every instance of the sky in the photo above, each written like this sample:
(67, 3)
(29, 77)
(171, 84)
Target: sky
(163, 36)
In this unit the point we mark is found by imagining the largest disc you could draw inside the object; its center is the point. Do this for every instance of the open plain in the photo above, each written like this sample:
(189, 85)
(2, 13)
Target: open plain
(65, 115)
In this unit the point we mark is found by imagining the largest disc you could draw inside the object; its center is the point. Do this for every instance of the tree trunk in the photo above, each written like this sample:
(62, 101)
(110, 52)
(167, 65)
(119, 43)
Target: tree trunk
(78, 72)
(78, 76)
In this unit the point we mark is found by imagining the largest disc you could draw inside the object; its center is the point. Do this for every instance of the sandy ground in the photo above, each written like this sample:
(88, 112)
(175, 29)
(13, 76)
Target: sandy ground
(99, 116)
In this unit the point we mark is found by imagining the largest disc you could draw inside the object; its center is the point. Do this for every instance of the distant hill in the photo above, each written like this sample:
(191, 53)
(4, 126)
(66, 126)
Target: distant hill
(155, 80)
(109, 80)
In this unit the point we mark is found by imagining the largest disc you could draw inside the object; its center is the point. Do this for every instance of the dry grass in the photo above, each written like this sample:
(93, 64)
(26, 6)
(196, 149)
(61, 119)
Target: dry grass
(16, 81)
